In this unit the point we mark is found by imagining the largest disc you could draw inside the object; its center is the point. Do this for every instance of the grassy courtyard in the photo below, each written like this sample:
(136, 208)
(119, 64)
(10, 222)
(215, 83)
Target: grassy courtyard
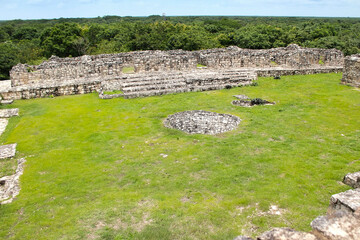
(108, 169)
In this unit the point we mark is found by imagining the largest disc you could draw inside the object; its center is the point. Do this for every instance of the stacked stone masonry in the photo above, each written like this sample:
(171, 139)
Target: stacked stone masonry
(170, 69)
(351, 74)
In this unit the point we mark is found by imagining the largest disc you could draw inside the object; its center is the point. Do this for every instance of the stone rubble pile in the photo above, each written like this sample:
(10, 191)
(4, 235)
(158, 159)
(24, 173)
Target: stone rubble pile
(342, 221)
(202, 122)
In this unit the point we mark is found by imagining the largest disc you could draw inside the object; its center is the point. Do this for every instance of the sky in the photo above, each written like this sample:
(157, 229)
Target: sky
(49, 9)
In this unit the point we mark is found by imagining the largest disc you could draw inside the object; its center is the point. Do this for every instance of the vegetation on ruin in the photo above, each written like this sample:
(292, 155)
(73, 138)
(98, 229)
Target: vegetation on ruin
(108, 169)
(32, 41)
(128, 70)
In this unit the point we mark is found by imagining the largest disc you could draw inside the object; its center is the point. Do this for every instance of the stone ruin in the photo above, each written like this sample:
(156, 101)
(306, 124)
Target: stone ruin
(351, 75)
(164, 72)
(9, 185)
(245, 101)
(202, 122)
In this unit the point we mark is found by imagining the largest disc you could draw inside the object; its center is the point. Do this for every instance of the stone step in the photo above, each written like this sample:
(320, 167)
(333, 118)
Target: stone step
(134, 82)
(136, 94)
(169, 76)
(153, 87)
(146, 93)
(352, 180)
(198, 80)
(201, 85)
(336, 228)
(155, 82)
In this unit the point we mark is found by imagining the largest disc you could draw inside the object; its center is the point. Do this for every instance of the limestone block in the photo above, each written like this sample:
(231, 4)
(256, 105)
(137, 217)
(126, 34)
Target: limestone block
(345, 202)
(10, 185)
(336, 228)
(242, 238)
(286, 234)
(6, 113)
(3, 123)
(7, 101)
(352, 180)
(7, 151)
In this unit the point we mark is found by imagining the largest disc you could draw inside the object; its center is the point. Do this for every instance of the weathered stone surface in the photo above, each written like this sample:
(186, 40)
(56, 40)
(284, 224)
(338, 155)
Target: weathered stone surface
(242, 238)
(5, 85)
(7, 101)
(251, 102)
(110, 96)
(242, 97)
(202, 122)
(284, 70)
(352, 180)
(27, 92)
(7, 151)
(176, 82)
(286, 234)
(345, 202)
(10, 185)
(337, 228)
(3, 123)
(6, 113)
(351, 75)
(291, 56)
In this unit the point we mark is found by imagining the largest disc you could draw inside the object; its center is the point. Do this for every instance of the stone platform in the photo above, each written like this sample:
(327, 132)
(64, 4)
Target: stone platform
(202, 122)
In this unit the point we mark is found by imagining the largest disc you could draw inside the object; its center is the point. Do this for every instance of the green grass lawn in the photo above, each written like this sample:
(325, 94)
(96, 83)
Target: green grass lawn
(95, 168)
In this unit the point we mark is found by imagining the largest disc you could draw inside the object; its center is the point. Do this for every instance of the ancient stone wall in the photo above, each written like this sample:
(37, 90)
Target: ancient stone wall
(105, 66)
(292, 56)
(57, 71)
(351, 75)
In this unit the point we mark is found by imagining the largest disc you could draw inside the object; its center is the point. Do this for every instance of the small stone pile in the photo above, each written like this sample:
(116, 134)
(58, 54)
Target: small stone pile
(202, 122)
(245, 101)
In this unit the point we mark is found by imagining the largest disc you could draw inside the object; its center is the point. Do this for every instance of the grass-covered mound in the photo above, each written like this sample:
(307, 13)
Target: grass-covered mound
(109, 169)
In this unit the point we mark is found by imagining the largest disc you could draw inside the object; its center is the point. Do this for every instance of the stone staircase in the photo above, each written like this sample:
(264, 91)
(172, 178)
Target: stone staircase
(143, 85)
